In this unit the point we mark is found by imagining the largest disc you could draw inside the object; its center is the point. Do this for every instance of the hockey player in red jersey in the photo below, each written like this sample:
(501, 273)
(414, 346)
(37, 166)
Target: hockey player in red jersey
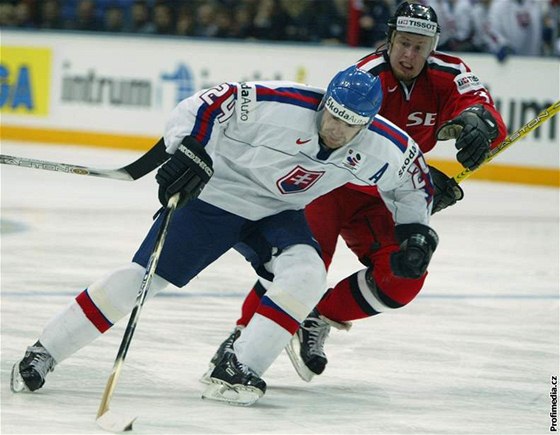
(433, 96)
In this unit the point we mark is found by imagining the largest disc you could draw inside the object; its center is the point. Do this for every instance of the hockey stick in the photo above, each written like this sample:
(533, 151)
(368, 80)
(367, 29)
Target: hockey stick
(145, 164)
(106, 419)
(545, 115)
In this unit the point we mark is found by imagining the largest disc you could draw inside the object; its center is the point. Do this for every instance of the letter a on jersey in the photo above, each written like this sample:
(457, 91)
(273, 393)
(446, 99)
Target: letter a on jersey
(298, 180)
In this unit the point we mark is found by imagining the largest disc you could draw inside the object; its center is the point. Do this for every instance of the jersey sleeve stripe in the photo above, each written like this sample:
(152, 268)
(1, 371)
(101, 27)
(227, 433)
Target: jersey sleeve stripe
(288, 95)
(373, 64)
(206, 115)
(455, 68)
(390, 132)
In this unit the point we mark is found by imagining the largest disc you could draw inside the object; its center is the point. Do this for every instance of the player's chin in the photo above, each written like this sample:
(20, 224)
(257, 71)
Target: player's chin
(335, 144)
(406, 73)
(332, 142)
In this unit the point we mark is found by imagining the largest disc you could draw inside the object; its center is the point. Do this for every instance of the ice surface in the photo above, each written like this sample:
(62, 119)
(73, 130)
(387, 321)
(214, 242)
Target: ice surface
(473, 354)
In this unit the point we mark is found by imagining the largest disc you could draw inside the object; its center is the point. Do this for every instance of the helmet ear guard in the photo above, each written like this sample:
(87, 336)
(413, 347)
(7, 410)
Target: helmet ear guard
(417, 19)
(354, 96)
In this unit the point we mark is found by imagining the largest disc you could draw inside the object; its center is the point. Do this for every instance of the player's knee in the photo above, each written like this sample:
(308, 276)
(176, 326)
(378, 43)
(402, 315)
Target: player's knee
(385, 292)
(301, 264)
(115, 294)
(300, 271)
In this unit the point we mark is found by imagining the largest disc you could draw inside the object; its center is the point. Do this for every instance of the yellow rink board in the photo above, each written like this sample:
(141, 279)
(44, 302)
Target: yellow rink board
(492, 172)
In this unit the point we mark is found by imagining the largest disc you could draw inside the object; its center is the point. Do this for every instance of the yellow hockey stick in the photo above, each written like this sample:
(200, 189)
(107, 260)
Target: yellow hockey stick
(545, 115)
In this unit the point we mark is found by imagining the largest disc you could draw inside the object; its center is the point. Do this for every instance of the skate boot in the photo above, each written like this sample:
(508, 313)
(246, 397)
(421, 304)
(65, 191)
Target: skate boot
(29, 373)
(234, 383)
(306, 348)
(226, 346)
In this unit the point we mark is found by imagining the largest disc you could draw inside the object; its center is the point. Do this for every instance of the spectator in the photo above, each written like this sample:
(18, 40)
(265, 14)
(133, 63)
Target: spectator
(50, 17)
(223, 23)
(373, 22)
(331, 17)
(551, 24)
(520, 22)
(163, 19)
(206, 25)
(85, 18)
(185, 22)
(299, 21)
(23, 16)
(7, 15)
(113, 19)
(269, 22)
(445, 10)
(140, 18)
(475, 32)
(242, 25)
(465, 24)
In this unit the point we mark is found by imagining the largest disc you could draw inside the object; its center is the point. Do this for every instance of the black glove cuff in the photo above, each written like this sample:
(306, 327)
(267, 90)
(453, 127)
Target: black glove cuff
(192, 153)
(403, 232)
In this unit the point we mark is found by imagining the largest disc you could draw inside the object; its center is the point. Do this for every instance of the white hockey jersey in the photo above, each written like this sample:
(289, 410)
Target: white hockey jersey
(263, 139)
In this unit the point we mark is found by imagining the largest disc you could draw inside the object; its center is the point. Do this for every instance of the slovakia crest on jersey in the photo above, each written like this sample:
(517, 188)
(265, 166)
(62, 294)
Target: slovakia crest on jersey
(298, 180)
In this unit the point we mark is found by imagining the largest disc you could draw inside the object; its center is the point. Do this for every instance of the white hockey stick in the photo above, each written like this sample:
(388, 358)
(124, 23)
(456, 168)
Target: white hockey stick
(107, 419)
(145, 164)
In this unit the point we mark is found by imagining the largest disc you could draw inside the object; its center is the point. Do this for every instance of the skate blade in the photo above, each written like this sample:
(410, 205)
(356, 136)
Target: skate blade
(113, 422)
(292, 349)
(205, 378)
(17, 384)
(238, 395)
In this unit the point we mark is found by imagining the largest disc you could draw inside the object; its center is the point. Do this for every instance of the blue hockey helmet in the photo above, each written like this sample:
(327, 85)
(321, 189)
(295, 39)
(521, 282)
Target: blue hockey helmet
(354, 96)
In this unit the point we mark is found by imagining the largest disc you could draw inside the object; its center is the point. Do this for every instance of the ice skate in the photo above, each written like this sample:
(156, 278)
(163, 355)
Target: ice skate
(226, 346)
(29, 373)
(306, 348)
(234, 383)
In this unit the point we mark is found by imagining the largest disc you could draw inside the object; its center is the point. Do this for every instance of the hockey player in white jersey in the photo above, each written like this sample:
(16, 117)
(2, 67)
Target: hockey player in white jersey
(246, 158)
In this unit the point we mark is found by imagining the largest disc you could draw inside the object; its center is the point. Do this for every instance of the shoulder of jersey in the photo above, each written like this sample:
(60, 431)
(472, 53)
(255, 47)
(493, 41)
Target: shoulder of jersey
(374, 63)
(285, 92)
(396, 139)
(446, 64)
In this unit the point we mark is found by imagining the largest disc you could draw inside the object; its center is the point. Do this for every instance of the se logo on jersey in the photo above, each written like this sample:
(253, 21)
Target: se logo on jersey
(298, 180)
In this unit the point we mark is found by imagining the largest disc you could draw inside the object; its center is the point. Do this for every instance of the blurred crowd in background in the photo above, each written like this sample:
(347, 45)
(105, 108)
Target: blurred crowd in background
(500, 27)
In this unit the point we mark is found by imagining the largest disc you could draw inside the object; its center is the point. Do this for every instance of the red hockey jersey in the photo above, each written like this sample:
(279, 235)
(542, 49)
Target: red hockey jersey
(445, 87)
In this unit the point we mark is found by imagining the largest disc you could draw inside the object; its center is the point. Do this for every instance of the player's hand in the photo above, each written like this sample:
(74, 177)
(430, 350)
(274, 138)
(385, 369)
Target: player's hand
(187, 171)
(447, 191)
(474, 130)
(503, 53)
(418, 243)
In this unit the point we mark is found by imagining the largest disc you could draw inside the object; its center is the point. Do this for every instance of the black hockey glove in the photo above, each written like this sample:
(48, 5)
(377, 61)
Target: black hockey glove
(474, 130)
(447, 191)
(418, 243)
(187, 171)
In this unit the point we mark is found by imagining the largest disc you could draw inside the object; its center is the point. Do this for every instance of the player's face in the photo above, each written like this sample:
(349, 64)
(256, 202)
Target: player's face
(336, 133)
(408, 54)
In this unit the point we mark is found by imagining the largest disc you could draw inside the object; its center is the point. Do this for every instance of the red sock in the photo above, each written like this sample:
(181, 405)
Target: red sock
(340, 304)
(250, 304)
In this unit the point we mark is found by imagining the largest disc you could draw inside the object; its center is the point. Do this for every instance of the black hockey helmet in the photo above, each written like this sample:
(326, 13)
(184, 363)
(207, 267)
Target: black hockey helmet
(414, 18)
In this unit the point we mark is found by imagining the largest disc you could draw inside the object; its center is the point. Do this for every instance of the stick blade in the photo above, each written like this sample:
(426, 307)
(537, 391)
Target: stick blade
(113, 422)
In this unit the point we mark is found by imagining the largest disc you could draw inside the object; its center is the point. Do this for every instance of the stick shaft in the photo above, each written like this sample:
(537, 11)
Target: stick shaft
(545, 115)
(140, 167)
(135, 314)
